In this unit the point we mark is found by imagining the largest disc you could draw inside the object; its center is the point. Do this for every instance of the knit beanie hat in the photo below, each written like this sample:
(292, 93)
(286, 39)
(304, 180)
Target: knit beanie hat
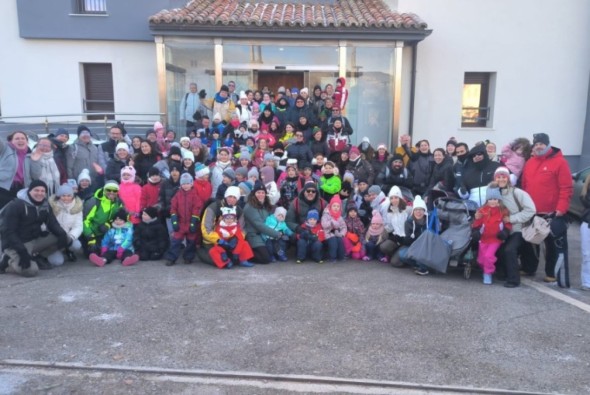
(258, 187)
(174, 150)
(541, 138)
(121, 214)
(184, 138)
(84, 175)
(122, 145)
(201, 170)
(267, 174)
(375, 190)
(493, 193)
(64, 189)
(354, 150)
(313, 214)
(111, 184)
(151, 211)
(186, 178)
(37, 183)
(229, 173)
(242, 171)
(82, 128)
(232, 191)
(61, 131)
(174, 167)
(244, 154)
(419, 203)
(228, 212)
(502, 170)
(280, 211)
(158, 125)
(246, 186)
(377, 218)
(397, 157)
(253, 172)
(395, 191)
(186, 154)
(153, 171)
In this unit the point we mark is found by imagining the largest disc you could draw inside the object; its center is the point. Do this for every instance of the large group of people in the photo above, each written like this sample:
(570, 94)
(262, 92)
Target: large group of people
(257, 174)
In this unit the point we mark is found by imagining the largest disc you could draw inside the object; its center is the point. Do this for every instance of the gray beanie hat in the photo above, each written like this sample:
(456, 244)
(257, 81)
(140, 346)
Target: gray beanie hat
(186, 178)
(374, 189)
(243, 171)
(253, 173)
(493, 193)
(229, 173)
(64, 189)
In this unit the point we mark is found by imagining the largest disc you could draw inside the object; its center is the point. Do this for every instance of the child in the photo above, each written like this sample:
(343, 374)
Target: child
(353, 242)
(492, 221)
(289, 187)
(330, 181)
(130, 194)
(228, 178)
(413, 228)
(277, 222)
(117, 243)
(310, 236)
(515, 154)
(334, 229)
(267, 177)
(376, 235)
(185, 209)
(150, 238)
(202, 185)
(231, 240)
(85, 190)
(150, 192)
(188, 162)
(340, 93)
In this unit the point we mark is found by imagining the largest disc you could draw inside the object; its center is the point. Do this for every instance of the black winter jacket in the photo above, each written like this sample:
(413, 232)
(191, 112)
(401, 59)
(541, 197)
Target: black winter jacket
(151, 237)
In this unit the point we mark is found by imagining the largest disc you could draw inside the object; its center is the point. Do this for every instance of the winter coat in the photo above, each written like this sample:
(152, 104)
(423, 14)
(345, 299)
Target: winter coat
(82, 156)
(114, 166)
(356, 226)
(130, 195)
(273, 192)
(548, 180)
(333, 227)
(379, 165)
(8, 166)
(388, 178)
(361, 168)
(520, 206)
(421, 168)
(299, 207)
(143, 164)
(319, 147)
(273, 223)
(70, 217)
(477, 176)
(203, 189)
(185, 205)
(101, 212)
(305, 232)
(341, 94)
(330, 186)
(337, 141)
(513, 161)
(150, 195)
(442, 176)
(117, 238)
(297, 112)
(300, 151)
(255, 227)
(217, 175)
(22, 221)
(151, 237)
(167, 192)
(394, 219)
(491, 222)
(413, 229)
(210, 219)
(60, 158)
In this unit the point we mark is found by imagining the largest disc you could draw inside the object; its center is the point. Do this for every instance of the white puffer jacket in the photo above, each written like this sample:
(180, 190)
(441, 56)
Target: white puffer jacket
(69, 216)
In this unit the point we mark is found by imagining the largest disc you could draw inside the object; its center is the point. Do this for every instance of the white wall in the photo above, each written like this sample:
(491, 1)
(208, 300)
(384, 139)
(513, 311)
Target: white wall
(539, 49)
(44, 76)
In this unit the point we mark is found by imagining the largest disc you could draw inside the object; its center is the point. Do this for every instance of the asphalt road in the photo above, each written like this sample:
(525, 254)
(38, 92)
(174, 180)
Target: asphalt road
(198, 329)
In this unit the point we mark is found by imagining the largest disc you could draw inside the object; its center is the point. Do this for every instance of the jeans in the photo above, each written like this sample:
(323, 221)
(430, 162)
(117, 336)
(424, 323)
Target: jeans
(335, 248)
(174, 250)
(311, 249)
(373, 251)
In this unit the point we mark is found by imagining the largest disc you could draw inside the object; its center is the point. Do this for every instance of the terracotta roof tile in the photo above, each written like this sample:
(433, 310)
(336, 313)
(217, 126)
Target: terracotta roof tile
(342, 13)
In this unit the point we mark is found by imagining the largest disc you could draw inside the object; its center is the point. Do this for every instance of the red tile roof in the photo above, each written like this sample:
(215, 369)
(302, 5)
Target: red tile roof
(341, 13)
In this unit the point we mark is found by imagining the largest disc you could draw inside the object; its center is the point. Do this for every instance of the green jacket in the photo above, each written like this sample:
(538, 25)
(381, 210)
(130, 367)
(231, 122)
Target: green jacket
(102, 211)
(330, 185)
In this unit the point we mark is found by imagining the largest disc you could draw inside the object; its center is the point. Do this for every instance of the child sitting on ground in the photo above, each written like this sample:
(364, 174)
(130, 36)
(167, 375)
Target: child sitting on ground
(355, 232)
(376, 235)
(334, 229)
(492, 220)
(277, 247)
(231, 245)
(310, 236)
(117, 243)
(150, 238)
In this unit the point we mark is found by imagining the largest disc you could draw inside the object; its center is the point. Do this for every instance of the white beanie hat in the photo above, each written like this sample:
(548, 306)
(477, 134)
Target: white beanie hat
(84, 175)
(186, 154)
(419, 203)
(122, 145)
(233, 191)
(395, 191)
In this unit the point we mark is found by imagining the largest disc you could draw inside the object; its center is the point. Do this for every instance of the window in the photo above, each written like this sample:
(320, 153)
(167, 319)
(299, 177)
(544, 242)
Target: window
(477, 100)
(91, 6)
(98, 89)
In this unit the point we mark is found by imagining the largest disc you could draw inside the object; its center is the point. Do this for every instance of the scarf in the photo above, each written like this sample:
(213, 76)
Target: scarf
(49, 172)
(372, 231)
(220, 99)
(335, 214)
(19, 177)
(227, 231)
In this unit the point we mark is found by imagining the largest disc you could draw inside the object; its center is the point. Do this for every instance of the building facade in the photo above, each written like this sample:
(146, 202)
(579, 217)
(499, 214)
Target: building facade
(473, 70)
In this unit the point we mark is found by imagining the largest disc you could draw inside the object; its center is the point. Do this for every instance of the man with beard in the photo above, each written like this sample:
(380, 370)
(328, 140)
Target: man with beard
(477, 174)
(461, 150)
(395, 173)
(309, 198)
(107, 150)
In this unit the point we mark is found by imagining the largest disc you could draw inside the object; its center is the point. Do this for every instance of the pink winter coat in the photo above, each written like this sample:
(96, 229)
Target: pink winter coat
(130, 195)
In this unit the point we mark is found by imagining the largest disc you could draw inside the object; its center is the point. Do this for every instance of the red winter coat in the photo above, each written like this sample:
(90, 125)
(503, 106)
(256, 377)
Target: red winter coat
(186, 204)
(341, 94)
(204, 189)
(548, 179)
(491, 218)
(150, 194)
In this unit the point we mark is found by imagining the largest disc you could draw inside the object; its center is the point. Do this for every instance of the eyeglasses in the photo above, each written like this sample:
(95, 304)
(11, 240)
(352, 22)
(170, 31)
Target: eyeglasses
(311, 191)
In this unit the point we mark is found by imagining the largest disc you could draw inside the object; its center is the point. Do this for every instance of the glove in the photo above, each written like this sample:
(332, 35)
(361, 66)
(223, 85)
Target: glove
(232, 243)
(63, 241)
(503, 234)
(120, 252)
(24, 260)
(104, 228)
(221, 242)
(194, 224)
(103, 251)
(92, 242)
(174, 220)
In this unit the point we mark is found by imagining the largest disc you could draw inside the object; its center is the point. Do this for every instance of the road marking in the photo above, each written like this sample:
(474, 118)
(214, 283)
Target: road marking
(282, 382)
(557, 295)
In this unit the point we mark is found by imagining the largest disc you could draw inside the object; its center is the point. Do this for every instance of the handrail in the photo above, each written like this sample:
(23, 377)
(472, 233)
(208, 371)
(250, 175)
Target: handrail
(83, 114)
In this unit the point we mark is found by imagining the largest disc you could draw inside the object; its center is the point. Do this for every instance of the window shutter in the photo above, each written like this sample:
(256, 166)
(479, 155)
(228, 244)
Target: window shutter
(98, 81)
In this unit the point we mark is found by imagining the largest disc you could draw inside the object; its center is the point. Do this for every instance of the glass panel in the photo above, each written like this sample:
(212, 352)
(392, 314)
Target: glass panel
(471, 104)
(186, 63)
(370, 79)
(271, 57)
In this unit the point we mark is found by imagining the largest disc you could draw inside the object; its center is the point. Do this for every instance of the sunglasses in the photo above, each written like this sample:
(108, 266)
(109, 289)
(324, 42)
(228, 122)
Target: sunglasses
(311, 191)
(110, 190)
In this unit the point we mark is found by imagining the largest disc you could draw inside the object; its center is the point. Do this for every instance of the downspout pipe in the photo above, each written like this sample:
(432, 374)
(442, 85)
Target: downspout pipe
(413, 89)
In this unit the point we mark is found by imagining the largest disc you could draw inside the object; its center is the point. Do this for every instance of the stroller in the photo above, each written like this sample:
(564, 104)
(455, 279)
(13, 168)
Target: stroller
(456, 217)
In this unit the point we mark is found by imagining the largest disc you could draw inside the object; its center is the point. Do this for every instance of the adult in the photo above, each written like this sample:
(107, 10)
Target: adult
(24, 238)
(521, 208)
(43, 166)
(222, 104)
(317, 144)
(243, 108)
(336, 114)
(282, 110)
(101, 211)
(380, 158)
(461, 160)
(299, 149)
(121, 159)
(82, 154)
(60, 148)
(585, 236)
(68, 210)
(395, 212)
(108, 149)
(309, 198)
(405, 148)
(394, 173)
(257, 209)
(231, 93)
(14, 166)
(145, 159)
(359, 167)
(547, 178)
(477, 174)
(188, 106)
(421, 164)
(442, 179)
(300, 109)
